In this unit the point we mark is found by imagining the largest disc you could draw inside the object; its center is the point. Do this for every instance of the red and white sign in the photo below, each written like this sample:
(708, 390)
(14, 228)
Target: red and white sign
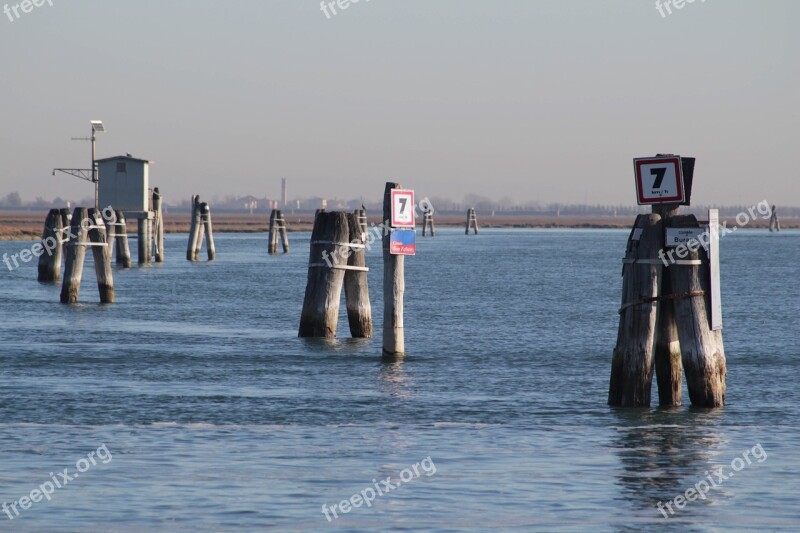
(659, 180)
(402, 208)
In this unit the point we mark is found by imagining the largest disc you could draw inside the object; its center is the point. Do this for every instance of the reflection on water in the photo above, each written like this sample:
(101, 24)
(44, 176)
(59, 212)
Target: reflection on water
(666, 451)
(394, 381)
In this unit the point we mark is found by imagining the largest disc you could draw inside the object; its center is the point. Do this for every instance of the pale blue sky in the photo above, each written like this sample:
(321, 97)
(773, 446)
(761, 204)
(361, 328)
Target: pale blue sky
(534, 100)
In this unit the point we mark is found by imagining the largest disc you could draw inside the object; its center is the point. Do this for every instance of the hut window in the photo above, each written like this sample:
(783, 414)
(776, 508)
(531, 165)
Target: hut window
(122, 167)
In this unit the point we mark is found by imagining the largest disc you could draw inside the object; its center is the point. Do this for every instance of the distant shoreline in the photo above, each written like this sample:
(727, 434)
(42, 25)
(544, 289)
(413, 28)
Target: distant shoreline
(28, 225)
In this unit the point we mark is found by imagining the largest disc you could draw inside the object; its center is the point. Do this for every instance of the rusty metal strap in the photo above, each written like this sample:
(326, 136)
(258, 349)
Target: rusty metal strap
(674, 296)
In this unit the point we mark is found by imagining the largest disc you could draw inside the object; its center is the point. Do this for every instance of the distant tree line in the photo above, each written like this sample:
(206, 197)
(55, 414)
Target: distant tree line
(13, 201)
(483, 205)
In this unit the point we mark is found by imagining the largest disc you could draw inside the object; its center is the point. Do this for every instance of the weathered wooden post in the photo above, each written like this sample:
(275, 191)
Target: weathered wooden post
(361, 216)
(122, 245)
(272, 247)
(66, 224)
(211, 250)
(191, 248)
(144, 235)
(111, 222)
(669, 371)
(277, 227)
(50, 260)
(356, 287)
(774, 223)
(393, 285)
(101, 252)
(632, 364)
(158, 226)
(703, 354)
(201, 230)
(684, 327)
(329, 253)
(76, 254)
(427, 223)
(283, 231)
(472, 221)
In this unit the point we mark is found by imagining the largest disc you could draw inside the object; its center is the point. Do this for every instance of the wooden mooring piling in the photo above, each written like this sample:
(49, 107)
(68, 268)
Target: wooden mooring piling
(88, 230)
(361, 218)
(211, 249)
(702, 351)
(144, 242)
(337, 257)
(427, 223)
(356, 287)
(123, 249)
(50, 259)
(200, 226)
(774, 222)
(111, 222)
(632, 364)
(670, 317)
(394, 286)
(66, 222)
(191, 248)
(472, 221)
(277, 227)
(158, 223)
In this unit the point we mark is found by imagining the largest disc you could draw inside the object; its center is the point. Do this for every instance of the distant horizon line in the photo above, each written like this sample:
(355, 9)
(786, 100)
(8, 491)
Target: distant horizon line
(450, 206)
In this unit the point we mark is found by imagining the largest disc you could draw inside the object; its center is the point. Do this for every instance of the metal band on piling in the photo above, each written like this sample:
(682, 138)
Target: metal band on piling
(674, 296)
(338, 267)
(680, 262)
(351, 245)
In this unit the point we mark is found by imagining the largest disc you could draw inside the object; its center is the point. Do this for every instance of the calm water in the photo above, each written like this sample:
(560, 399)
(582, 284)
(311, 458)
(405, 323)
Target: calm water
(217, 417)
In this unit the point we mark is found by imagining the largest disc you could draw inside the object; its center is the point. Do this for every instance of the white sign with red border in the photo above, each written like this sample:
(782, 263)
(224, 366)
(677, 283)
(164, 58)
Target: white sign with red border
(402, 208)
(659, 180)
